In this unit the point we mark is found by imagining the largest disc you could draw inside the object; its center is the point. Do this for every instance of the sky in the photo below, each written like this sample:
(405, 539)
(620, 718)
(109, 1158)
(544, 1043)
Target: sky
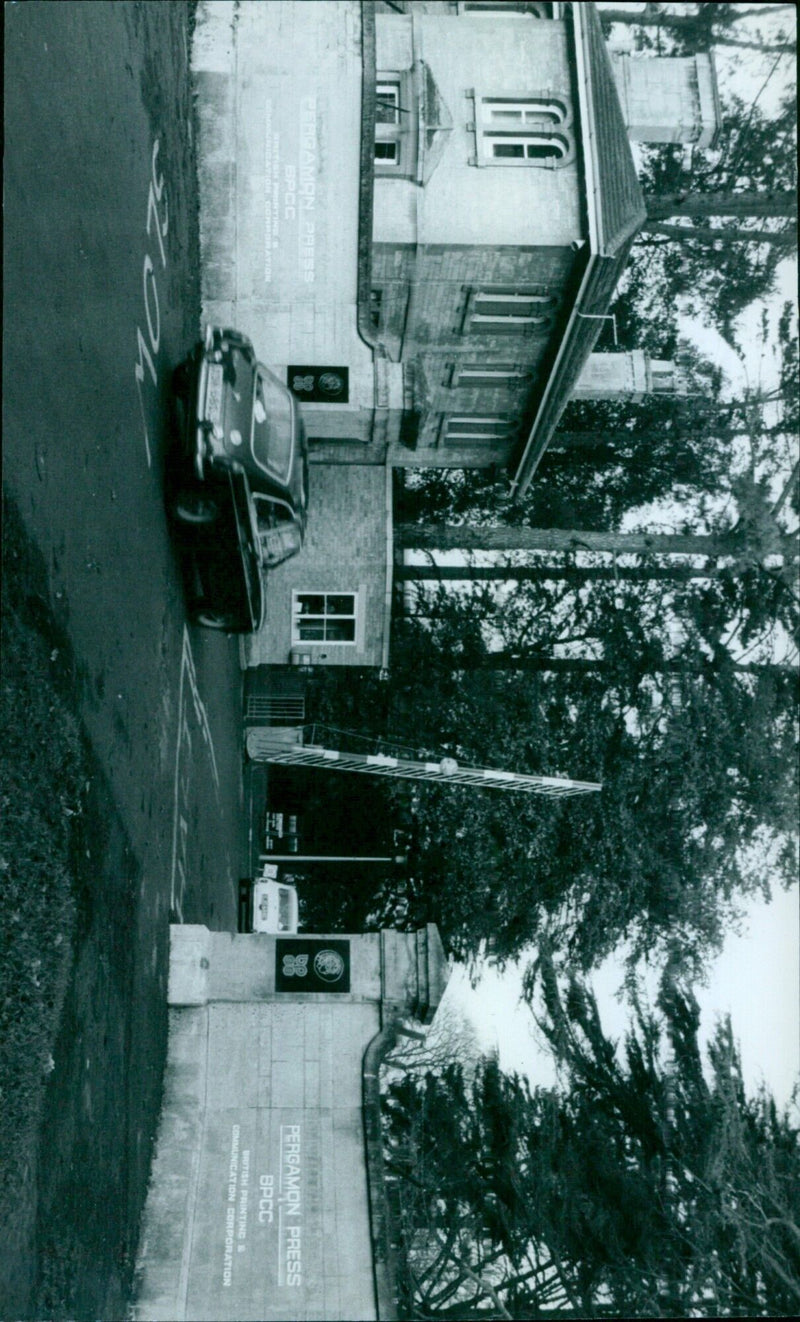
(756, 980)
(757, 977)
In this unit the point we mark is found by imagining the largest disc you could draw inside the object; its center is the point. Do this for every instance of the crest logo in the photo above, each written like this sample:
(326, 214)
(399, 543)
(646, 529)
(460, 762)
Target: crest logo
(295, 966)
(331, 383)
(328, 965)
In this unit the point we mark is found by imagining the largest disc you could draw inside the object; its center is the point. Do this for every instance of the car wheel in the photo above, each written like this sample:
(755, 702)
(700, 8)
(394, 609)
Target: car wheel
(195, 507)
(208, 617)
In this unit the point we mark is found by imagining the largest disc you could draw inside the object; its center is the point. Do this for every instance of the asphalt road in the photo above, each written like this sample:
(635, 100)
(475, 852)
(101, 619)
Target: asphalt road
(101, 300)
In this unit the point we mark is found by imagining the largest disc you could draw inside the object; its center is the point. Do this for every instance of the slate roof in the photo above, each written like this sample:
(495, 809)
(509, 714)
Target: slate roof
(619, 210)
(621, 204)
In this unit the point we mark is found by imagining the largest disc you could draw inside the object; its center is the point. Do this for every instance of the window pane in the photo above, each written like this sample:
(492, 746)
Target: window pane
(340, 631)
(507, 150)
(311, 603)
(385, 151)
(311, 631)
(544, 151)
(387, 103)
(340, 604)
(272, 427)
(506, 113)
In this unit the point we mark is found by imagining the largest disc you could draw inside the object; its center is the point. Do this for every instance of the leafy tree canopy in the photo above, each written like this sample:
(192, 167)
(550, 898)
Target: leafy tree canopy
(645, 1185)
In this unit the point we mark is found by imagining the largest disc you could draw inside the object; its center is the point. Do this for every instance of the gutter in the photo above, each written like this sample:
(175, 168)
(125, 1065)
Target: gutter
(389, 583)
(366, 180)
(534, 446)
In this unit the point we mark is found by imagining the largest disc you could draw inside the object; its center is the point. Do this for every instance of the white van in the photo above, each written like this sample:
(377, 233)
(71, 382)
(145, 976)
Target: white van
(274, 906)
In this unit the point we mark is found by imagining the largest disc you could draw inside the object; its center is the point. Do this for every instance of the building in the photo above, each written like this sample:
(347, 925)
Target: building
(420, 213)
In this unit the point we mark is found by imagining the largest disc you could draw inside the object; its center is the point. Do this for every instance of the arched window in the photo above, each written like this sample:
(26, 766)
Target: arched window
(532, 130)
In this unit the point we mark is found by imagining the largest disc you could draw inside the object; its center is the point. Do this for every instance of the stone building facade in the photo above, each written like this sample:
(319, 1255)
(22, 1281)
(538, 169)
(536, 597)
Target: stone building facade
(419, 212)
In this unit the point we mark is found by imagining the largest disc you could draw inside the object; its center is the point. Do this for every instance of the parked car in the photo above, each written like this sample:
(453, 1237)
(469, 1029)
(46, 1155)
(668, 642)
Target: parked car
(239, 492)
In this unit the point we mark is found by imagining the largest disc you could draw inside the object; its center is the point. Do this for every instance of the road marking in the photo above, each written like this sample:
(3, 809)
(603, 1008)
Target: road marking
(192, 720)
(145, 353)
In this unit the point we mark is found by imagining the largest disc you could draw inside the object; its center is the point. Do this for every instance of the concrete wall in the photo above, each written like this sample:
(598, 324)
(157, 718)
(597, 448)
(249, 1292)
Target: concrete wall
(345, 551)
(668, 100)
(259, 1198)
(279, 112)
(259, 1202)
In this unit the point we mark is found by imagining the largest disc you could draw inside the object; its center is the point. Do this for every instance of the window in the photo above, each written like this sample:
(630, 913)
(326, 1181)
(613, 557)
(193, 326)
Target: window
(508, 311)
(389, 124)
(531, 130)
(495, 7)
(324, 617)
(387, 103)
(279, 534)
(273, 427)
(387, 153)
(534, 113)
(489, 376)
(477, 429)
(538, 150)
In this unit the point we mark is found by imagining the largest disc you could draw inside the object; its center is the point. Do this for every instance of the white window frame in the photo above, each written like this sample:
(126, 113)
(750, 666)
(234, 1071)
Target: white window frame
(298, 616)
(530, 145)
(531, 121)
(467, 428)
(388, 90)
(493, 376)
(528, 312)
(390, 133)
(515, 9)
(530, 113)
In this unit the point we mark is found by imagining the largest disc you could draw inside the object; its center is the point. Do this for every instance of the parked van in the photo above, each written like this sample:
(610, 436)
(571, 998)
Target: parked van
(274, 907)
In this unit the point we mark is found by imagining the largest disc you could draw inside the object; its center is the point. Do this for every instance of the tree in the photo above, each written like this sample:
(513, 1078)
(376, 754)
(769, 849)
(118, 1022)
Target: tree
(737, 200)
(507, 537)
(695, 759)
(702, 27)
(722, 1168)
(641, 1187)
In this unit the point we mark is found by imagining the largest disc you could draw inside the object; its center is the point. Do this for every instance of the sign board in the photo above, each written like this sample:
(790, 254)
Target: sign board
(311, 964)
(319, 385)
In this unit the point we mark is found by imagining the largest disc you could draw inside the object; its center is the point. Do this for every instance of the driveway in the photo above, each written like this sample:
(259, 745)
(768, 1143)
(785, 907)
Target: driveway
(101, 300)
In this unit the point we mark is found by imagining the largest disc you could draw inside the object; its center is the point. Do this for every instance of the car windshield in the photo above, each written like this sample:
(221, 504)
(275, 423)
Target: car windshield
(279, 534)
(273, 428)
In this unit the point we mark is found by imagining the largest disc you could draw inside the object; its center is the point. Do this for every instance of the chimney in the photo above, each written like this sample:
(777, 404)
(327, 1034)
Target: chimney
(668, 99)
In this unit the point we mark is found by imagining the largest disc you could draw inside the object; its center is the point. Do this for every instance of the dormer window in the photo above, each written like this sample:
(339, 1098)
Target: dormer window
(395, 125)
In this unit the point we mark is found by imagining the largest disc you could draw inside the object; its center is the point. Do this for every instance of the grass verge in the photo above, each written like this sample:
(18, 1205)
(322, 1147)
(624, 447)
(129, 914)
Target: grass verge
(42, 779)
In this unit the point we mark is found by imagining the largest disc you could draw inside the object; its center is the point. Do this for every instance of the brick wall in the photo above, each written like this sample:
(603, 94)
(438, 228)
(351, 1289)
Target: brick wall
(345, 551)
(432, 332)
